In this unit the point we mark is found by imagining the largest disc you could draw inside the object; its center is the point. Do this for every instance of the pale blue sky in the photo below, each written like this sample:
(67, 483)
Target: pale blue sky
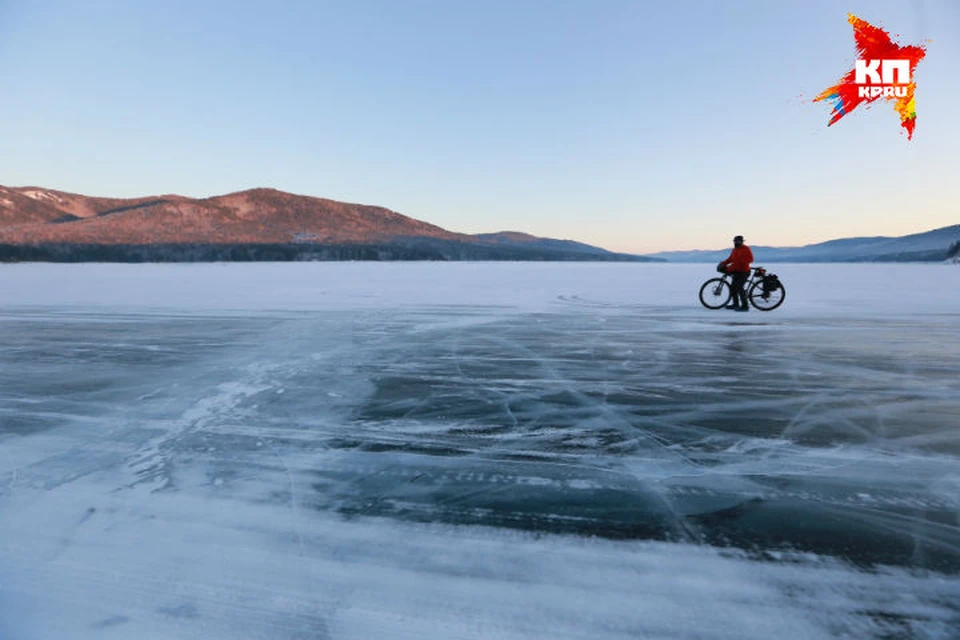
(636, 126)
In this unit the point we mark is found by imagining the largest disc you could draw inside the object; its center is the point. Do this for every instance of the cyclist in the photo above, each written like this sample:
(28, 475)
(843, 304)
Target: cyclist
(738, 266)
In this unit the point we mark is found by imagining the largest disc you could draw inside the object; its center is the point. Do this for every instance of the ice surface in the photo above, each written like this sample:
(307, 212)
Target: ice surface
(476, 450)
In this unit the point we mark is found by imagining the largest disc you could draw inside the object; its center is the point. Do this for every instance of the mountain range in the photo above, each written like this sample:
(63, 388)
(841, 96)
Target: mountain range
(930, 246)
(39, 224)
(258, 224)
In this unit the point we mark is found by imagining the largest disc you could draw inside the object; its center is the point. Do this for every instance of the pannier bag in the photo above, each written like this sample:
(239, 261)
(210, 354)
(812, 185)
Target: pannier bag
(770, 283)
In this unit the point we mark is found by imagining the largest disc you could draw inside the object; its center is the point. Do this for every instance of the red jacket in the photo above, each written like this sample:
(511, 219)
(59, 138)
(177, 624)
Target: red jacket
(739, 260)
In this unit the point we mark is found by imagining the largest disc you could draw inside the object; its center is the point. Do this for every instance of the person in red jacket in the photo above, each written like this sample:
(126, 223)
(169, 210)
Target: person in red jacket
(738, 266)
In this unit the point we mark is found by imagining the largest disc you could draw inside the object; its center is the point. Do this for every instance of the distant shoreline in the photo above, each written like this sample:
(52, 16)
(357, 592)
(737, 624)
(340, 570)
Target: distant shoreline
(295, 252)
(63, 253)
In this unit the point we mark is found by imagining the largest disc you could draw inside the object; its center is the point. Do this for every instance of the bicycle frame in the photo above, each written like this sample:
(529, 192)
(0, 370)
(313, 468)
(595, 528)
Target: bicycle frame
(752, 279)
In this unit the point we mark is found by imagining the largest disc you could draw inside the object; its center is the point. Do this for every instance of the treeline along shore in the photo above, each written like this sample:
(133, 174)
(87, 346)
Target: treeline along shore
(286, 252)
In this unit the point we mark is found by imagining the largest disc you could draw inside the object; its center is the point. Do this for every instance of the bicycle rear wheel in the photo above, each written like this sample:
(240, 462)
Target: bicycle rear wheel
(715, 293)
(766, 300)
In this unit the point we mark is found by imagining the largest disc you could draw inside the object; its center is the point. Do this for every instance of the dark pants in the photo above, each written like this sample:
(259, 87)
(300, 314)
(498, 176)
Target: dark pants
(739, 297)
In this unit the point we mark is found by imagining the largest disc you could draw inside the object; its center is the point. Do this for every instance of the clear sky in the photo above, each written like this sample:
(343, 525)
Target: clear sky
(636, 126)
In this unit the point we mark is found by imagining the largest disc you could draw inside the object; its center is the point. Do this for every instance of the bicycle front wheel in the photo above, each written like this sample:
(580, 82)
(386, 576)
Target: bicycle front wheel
(766, 300)
(715, 293)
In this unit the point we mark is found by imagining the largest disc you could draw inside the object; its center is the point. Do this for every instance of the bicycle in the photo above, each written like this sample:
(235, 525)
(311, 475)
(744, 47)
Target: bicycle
(764, 290)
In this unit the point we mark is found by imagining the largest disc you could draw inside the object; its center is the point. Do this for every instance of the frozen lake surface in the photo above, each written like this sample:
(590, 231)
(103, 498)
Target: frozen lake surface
(476, 450)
